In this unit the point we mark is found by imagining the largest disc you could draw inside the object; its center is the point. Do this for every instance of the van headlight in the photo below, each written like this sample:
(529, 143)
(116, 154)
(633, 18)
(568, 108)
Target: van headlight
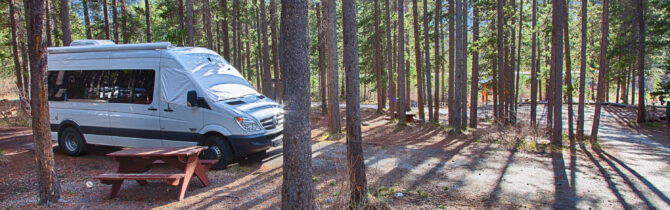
(248, 124)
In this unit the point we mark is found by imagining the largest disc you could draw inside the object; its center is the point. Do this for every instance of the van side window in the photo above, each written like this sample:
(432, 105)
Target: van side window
(131, 86)
(75, 85)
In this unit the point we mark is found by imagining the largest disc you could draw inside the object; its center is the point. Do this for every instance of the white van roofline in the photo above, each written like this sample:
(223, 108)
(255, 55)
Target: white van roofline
(115, 47)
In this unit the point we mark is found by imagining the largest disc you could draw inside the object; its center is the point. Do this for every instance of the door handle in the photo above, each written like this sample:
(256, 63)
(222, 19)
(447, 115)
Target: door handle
(168, 110)
(152, 109)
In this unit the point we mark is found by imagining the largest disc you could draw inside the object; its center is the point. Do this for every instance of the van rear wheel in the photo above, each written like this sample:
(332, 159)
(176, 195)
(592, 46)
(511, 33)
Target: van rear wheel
(218, 149)
(71, 142)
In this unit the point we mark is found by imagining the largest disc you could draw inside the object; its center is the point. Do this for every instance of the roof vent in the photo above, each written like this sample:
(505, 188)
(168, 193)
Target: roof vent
(90, 42)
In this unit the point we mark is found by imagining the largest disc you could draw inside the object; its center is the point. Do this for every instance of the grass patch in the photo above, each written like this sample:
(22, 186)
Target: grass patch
(653, 124)
(3, 156)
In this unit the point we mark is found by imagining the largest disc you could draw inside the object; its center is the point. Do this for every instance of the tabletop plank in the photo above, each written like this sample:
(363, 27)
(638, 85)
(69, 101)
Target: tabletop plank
(157, 151)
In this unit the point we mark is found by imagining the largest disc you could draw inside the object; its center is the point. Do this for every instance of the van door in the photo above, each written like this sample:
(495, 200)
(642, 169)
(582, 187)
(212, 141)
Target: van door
(179, 123)
(133, 110)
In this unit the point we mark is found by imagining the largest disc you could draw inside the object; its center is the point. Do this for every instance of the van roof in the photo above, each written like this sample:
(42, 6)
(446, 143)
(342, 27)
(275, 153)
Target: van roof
(95, 46)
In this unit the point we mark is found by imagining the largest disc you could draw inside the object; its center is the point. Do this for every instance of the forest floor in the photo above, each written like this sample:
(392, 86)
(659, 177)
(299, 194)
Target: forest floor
(421, 165)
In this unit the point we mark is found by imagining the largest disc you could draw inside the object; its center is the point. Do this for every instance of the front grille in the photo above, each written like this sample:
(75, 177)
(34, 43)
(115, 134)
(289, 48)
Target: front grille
(269, 123)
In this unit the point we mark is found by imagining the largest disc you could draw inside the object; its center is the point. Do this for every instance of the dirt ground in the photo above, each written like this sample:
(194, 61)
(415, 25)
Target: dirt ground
(418, 166)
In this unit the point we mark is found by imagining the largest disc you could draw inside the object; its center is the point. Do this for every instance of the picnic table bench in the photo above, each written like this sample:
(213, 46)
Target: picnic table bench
(134, 162)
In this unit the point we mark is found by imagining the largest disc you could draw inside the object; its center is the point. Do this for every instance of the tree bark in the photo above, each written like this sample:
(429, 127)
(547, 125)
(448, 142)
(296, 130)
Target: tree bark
(115, 23)
(582, 74)
(275, 48)
(65, 22)
(224, 25)
(124, 31)
(534, 70)
(48, 184)
(322, 59)
(189, 23)
(474, 81)
(389, 60)
(297, 187)
(87, 22)
(417, 58)
(48, 22)
(426, 48)
(456, 103)
(438, 60)
(355, 159)
(603, 71)
(518, 61)
(501, 60)
(332, 65)
(17, 63)
(147, 16)
(557, 65)
(378, 57)
(267, 75)
(568, 72)
(105, 15)
(452, 64)
(401, 61)
(641, 107)
(207, 24)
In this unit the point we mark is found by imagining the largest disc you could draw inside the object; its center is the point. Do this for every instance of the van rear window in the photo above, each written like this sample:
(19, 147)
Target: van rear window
(114, 86)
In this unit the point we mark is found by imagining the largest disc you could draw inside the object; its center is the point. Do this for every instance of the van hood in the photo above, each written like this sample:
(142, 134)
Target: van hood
(256, 105)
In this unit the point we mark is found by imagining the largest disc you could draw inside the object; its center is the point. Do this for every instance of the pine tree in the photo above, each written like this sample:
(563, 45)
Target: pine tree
(65, 22)
(401, 60)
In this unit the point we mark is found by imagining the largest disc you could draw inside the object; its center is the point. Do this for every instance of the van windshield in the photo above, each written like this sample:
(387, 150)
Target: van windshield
(220, 80)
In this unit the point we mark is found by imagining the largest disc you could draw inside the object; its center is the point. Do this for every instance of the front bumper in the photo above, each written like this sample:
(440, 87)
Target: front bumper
(246, 145)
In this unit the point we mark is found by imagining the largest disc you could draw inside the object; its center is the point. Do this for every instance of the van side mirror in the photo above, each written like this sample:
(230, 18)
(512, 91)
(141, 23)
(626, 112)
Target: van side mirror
(192, 98)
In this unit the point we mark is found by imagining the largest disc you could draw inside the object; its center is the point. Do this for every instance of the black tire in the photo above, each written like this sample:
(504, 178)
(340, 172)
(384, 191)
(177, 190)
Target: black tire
(218, 149)
(71, 142)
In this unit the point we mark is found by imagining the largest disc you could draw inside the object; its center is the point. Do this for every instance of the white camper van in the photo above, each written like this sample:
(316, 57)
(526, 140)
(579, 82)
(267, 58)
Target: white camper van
(153, 95)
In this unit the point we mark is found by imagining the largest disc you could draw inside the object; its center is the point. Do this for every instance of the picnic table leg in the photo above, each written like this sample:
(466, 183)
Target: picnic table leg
(189, 168)
(200, 172)
(116, 186)
(135, 165)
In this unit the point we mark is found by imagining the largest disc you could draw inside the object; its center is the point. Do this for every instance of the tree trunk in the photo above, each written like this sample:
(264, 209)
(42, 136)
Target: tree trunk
(267, 75)
(518, 61)
(426, 48)
(65, 22)
(226, 43)
(105, 15)
(438, 60)
(17, 63)
(459, 71)
(534, 70)
(332, 65)
(603, 71)
(568, 72)
(474, 81)
(147, 16)
(641, 107)
(357, 180)
(233, 23)
(452, 64)
(48, 184)
(208, 24)
(464, 87)
(26, 74)
(322, 59)
(87, 22)
(501, 60)
(275, 48)
(189, 23)
(297, 173)
(378, 58)
(557, 65)
(259, 48)
(389, 59)
(55, 18)
(418, 60)
(582, 75)
(48, 22)
(124, 31)
(401, 60)
(115, 23)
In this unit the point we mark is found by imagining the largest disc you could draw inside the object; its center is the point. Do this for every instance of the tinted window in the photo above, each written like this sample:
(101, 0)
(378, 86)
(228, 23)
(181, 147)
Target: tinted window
(131, 86)
(115, 86)
(75, 85)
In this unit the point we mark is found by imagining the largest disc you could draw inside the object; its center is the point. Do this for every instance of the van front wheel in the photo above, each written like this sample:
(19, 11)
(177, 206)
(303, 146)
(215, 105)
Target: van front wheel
(71, 142)
(218, 149)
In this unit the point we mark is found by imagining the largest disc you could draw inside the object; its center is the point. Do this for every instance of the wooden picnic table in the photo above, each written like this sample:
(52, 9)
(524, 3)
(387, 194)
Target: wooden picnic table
(134, 162)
